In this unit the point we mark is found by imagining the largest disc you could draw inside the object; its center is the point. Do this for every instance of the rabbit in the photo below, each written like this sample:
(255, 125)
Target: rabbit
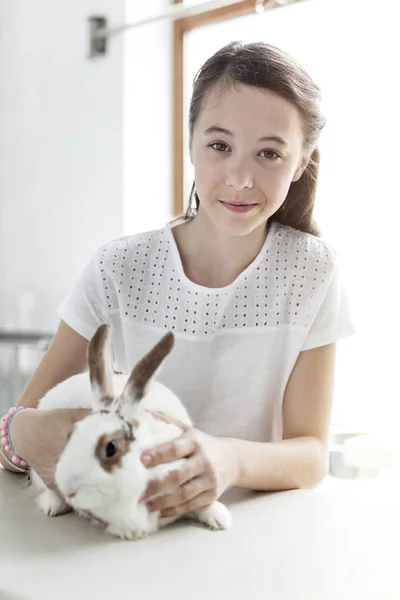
(99, 473)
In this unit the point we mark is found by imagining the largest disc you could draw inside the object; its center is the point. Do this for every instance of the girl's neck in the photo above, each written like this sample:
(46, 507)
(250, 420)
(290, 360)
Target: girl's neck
(211, 258)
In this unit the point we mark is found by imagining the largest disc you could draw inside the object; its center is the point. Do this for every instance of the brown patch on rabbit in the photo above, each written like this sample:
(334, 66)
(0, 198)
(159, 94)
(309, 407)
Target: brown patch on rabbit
(108, 400)
(99, 360)
(112, 447)
(147, 366)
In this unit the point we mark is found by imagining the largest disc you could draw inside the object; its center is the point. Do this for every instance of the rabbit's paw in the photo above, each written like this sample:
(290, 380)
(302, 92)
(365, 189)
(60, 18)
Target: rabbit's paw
(216, 516)
(51, 504)
(124, 532)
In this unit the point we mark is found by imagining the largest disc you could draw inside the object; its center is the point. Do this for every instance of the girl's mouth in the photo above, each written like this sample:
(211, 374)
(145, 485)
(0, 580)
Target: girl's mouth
(238, 208)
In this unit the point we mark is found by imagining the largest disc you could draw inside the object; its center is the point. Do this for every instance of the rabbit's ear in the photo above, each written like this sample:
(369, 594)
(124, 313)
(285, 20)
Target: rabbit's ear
(100, 367)
(146, 369)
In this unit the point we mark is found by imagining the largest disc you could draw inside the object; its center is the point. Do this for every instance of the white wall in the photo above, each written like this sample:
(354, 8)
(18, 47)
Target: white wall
(85, 145)
(148, 151)
(61, 152)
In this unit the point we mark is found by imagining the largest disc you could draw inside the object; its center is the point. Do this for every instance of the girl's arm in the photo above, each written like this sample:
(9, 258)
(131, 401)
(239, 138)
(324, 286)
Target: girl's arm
(66, 356)
(301, 459)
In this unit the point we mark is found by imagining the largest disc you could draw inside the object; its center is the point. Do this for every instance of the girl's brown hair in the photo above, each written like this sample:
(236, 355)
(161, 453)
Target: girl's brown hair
(264, 66)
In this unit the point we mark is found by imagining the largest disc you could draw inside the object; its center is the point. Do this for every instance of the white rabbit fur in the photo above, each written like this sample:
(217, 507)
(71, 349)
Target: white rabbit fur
(112, 498)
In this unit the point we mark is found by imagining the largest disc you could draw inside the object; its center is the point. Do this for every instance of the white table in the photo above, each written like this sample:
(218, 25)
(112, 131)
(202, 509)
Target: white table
(312, 545)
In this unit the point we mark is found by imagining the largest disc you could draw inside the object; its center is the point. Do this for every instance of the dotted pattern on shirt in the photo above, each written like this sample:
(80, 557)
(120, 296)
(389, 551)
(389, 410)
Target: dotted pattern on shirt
(141, 280)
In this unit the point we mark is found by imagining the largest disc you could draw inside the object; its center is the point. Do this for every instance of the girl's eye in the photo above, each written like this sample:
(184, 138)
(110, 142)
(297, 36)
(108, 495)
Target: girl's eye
(270, 154)
(219, 146)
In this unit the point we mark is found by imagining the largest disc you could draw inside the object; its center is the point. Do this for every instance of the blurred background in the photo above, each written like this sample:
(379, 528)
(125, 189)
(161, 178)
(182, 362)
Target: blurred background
(95, 146)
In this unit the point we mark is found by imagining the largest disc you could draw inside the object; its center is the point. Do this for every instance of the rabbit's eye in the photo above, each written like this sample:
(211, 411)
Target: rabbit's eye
(111, 449)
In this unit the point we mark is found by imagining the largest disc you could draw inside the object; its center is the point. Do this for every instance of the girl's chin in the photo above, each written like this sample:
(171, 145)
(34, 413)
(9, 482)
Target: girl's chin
(240, 227)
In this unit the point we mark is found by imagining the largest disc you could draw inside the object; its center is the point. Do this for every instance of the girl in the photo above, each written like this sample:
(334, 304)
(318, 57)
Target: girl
(252, 293)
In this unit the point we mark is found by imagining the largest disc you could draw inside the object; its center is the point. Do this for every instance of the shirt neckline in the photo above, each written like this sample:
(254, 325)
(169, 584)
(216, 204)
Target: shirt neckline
(208, 290)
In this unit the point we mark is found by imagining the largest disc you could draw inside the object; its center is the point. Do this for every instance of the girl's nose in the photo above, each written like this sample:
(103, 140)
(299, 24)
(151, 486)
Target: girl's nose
(239, 176)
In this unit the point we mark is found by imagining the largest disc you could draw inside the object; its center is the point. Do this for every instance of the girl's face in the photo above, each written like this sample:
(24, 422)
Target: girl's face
(246, 148)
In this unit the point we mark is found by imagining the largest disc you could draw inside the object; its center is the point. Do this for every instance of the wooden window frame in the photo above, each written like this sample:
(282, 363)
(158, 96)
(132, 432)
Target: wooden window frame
(180, 27)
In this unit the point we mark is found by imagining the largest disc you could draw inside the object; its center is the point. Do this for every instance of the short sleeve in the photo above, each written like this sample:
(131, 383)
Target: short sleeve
(332, 321)
(84, 309)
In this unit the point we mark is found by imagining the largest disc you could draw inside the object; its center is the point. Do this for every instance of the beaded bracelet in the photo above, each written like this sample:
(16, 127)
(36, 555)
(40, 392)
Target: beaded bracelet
(5, 435)
(9, 463)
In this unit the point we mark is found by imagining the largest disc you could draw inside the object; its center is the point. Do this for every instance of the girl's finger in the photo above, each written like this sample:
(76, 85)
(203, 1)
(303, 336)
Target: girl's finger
(200, 501)
(195, 466)
(182, 495)
(167, 419)
(182, 447)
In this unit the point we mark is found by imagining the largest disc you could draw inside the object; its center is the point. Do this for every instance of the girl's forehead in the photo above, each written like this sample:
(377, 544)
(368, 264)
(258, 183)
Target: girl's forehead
(246, 108)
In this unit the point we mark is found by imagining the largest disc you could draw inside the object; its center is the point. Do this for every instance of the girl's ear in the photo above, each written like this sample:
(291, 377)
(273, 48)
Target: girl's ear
(301, 168)
(100, 367)
(145, 370)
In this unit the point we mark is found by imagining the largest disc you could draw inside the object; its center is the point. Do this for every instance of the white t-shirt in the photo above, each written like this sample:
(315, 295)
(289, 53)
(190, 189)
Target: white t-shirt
(236, 346)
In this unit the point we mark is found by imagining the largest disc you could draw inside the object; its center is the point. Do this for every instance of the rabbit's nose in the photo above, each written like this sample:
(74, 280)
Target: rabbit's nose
(71, 489)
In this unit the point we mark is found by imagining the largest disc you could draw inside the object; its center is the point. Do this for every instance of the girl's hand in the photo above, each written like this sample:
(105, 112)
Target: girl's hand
(209, 470)
(40, 436)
